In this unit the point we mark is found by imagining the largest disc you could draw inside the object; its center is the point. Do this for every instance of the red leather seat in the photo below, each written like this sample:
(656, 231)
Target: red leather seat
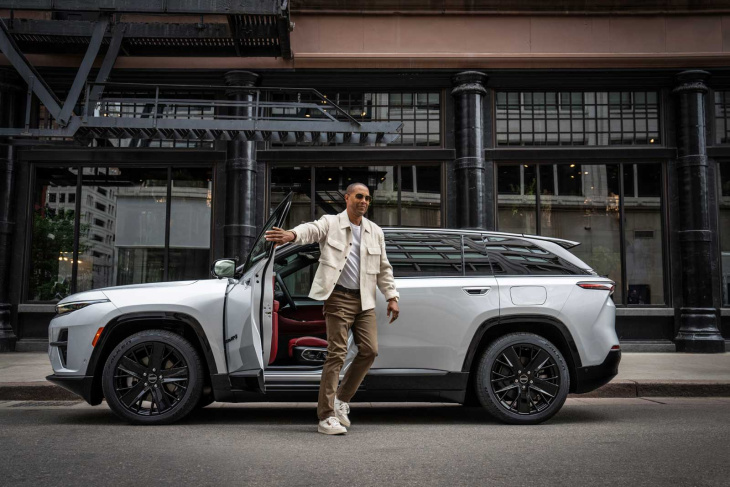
(305, 342)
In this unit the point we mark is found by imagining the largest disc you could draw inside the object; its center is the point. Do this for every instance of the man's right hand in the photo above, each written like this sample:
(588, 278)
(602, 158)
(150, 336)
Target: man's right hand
(279, 235)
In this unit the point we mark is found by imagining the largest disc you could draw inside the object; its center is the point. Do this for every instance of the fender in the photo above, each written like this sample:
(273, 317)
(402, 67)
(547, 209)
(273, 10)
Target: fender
(503, 320)
(146, 316)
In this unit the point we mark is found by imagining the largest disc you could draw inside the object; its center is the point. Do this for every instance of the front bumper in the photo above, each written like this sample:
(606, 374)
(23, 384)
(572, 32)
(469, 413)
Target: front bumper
(81, 385)
(591, 378)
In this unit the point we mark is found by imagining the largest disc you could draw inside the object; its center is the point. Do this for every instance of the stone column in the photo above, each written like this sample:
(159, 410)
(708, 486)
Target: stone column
(474, 175)
(240, 223)
(11, 107)
(698, 315)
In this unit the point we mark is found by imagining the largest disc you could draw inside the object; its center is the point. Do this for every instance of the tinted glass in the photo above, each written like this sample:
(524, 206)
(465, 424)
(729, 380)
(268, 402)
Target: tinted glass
(423, 255)
(724, 201)
(476, 260)
(514, 257)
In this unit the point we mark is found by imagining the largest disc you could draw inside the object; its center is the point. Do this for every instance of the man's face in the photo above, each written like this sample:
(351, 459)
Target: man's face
(358, 206)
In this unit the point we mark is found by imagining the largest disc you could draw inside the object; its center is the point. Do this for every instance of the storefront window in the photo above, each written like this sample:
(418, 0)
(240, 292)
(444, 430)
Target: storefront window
(582, 202)
(123, 228)
(724, 193)
(643, 230)
(53, 234)
(420, 195)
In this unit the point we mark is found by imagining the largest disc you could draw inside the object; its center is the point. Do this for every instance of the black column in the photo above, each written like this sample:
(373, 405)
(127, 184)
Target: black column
(698, 315)
(240, 227)
(474, 175)
(10, 110)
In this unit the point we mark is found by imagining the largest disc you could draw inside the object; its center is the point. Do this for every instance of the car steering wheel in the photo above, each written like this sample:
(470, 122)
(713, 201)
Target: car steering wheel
(285, 291)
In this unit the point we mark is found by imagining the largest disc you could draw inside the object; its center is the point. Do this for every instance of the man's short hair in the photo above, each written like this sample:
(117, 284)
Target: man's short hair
(352, 187)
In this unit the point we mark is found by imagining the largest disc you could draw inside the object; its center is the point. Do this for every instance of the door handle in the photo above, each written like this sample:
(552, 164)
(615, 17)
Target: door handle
(476, 291)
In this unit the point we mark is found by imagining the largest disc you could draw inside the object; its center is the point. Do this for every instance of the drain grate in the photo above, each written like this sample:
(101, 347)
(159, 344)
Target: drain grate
(37, 404)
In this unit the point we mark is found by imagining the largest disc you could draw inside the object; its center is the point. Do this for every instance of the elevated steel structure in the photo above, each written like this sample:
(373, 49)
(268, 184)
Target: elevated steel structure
(152, 111)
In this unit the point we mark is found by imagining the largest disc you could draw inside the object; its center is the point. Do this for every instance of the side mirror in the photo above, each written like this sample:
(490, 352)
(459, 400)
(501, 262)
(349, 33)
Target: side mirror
(223, 268)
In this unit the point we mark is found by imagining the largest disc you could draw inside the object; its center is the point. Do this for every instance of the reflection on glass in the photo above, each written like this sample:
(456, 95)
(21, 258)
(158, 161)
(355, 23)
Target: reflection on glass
(124, 211)
(292, 179)
(54, 204)
(643, 230)
(724, 173)
(582, 206)
(331, 184)
(190, 211)
(516, 189)
(421, 196)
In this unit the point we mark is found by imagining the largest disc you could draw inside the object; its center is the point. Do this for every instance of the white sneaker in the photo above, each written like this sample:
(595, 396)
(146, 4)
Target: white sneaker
(342, 409)
(331, 426)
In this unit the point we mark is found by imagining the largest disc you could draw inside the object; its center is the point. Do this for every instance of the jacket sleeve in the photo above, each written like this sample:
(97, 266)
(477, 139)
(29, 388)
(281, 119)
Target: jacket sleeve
(386, 281)
(311, 232)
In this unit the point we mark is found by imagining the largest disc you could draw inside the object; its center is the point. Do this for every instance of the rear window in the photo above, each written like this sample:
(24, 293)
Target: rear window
(424, 254)
(512, 256)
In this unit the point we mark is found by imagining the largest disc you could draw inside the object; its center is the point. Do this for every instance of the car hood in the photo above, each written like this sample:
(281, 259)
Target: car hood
(108, 292)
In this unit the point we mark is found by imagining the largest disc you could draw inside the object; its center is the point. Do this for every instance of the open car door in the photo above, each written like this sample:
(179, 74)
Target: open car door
(248, 310)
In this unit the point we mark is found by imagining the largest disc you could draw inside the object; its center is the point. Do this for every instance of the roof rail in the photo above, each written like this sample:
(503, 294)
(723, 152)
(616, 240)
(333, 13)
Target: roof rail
(566, 244)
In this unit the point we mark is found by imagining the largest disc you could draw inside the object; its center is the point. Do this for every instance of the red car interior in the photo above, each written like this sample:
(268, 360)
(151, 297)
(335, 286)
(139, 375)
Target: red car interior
(306, 342)
(295, 327)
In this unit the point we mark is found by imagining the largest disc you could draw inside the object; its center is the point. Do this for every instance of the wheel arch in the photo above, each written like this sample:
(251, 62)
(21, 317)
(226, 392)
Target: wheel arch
(546, 326)
(126, 325)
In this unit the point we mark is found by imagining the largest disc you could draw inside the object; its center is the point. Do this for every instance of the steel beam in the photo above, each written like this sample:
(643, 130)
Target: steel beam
(106, 66)
(29, 74)
(83, 72)
(223, 7)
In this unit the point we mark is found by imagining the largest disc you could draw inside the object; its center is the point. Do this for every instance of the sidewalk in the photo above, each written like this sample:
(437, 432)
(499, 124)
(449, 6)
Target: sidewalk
(22, 376)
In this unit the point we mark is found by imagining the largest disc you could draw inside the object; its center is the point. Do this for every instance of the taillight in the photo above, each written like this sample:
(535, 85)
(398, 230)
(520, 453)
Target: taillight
(598, 286)
(616, 347)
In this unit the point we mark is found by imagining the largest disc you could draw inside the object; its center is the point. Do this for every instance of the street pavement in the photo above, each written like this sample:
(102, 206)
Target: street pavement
(643, 442)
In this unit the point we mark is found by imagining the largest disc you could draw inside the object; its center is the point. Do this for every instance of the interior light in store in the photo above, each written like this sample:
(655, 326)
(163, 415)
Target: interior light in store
(651, 141)
(572, 165)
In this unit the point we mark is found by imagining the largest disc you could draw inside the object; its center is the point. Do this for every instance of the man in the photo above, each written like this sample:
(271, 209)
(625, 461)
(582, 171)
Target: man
(352, 262)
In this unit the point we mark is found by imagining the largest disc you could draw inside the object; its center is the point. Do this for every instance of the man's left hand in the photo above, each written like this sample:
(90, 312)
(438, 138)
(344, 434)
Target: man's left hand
(393, 308)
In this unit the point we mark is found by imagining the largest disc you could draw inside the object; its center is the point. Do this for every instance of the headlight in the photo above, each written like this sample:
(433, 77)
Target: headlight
(69, 307)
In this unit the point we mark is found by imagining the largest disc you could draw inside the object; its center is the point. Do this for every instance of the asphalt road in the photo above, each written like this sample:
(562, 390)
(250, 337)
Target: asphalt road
(662, 441)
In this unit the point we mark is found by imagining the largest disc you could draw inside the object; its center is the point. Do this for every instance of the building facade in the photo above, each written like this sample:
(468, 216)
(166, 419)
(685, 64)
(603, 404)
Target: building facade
(610, 127)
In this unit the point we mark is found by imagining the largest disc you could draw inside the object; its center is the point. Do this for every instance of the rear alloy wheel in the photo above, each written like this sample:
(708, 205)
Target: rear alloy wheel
(153, 377)
(522, 379)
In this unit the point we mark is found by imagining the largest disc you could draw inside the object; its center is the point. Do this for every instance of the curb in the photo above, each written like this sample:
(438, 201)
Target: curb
(660, 388)
(45, 391)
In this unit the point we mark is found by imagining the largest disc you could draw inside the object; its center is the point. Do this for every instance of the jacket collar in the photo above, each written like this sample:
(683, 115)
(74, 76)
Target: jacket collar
(345, 221)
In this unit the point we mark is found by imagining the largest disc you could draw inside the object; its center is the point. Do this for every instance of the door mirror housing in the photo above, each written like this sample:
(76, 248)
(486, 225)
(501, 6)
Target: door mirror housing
(223, 268)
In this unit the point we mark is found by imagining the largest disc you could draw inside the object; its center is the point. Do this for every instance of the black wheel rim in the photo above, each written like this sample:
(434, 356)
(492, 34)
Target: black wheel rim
(151, 379)
(525, 379)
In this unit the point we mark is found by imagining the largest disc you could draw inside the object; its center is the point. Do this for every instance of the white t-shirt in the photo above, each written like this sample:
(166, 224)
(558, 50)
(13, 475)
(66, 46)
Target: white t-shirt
(350, 277)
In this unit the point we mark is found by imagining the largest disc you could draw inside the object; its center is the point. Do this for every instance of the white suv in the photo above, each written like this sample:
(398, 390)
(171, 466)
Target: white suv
(508, 321)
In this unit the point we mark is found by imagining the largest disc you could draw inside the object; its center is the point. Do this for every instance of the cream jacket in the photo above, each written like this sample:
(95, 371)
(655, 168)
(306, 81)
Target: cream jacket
(334, 235)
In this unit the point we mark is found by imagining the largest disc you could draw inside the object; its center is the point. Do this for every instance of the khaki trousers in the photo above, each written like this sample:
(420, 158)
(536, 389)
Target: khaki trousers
(343, 311)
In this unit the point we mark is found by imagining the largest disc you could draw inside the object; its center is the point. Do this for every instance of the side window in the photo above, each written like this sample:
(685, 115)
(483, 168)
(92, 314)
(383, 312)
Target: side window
(298, 271)
(476, 260)
(512, 256)
(424, 254)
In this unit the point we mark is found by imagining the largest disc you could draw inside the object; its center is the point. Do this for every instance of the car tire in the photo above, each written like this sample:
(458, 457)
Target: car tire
(518, 395)
(138, 395)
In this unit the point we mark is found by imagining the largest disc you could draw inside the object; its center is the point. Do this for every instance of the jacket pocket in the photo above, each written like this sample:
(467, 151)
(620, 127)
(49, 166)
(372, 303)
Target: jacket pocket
(337, 244)
(373, 261)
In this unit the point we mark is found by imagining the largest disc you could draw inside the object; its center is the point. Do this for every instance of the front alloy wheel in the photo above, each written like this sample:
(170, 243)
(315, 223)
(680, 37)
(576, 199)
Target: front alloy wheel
(522, 379)
(153, 377)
